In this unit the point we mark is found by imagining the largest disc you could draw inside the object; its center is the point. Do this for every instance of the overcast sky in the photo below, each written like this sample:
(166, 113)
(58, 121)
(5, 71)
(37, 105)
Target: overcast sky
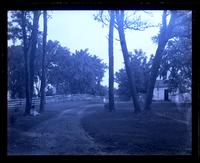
(78, 30)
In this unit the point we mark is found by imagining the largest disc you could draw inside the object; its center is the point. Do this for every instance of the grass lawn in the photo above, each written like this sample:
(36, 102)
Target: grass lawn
(119, 132)
(25, 123)
(17, 138)
(123, 132)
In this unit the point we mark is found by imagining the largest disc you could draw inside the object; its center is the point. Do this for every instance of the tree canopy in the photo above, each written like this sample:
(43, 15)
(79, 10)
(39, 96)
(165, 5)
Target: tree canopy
(70, 73)
(141, 69)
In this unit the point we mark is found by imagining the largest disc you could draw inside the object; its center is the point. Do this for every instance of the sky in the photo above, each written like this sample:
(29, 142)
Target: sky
(78, 30)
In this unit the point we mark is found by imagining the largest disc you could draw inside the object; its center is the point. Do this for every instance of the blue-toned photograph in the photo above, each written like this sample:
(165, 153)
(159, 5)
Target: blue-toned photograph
(99, 82)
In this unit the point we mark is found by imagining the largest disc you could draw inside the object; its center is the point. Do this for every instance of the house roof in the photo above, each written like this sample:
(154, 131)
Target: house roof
(160, 84)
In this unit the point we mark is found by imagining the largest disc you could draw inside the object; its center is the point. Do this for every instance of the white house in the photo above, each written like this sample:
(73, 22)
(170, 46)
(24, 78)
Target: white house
(160, 91)
(181, 97)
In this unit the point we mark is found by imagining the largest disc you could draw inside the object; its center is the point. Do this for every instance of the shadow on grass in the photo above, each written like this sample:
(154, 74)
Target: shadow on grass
(123, 132)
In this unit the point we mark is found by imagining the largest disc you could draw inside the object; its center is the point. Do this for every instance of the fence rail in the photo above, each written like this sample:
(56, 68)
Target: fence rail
(19, 103)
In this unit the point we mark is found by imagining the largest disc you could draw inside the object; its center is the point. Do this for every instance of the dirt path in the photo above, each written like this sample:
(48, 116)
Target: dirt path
(63, 135)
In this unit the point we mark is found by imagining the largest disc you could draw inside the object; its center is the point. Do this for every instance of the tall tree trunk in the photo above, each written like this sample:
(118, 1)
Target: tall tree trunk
(25, 49)
(162, 41)
(33, 51)
(153, 76)
(43, 80)
(111, 62)
(120, 21)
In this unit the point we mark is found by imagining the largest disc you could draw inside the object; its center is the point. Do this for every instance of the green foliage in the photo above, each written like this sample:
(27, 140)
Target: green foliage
(15, 25)
(16, 79)
(178, 61)
(176, 64)
(141, 69)
(177, 57)
(74, 73)
(86, 72)
(183, 25)
(79, 72)
(123, 85)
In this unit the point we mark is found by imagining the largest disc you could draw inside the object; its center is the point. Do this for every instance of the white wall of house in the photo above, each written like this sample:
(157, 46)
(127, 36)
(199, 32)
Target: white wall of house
(181, 97)
(158, 93)
(177, 97)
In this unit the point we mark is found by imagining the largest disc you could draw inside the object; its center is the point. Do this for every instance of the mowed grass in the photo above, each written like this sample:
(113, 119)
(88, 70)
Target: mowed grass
(123, 132)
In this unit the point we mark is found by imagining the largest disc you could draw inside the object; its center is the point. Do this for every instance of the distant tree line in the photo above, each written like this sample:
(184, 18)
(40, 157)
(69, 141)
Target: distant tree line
(69, 73)
(35, 60)
(141, 69)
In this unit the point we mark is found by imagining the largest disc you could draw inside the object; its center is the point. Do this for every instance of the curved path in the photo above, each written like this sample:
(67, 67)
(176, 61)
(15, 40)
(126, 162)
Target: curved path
(63, 134)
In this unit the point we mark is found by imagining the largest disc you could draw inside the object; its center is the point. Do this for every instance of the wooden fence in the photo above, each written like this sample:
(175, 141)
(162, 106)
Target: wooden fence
(20, 103)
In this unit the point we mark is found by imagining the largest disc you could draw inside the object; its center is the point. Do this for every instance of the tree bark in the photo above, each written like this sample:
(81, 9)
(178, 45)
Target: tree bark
(33, 51)
(120, 20)
(154, 74)
(111, 62)
(43, 80)
(25, 49)
(162, 41)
